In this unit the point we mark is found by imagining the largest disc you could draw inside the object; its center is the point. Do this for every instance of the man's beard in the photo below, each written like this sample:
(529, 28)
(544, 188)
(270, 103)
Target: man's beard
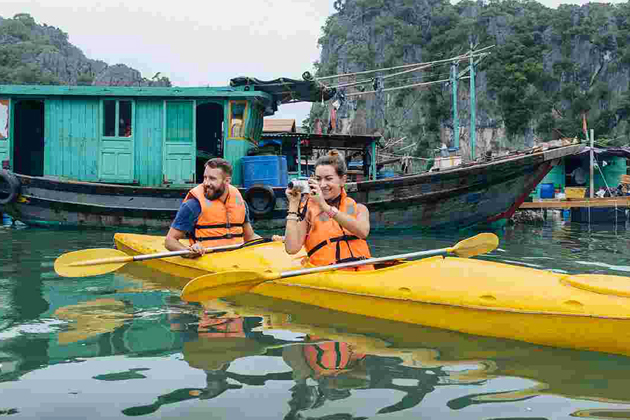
(217, 193)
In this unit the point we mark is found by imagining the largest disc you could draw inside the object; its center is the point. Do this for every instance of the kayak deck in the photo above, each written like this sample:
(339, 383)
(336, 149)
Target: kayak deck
(480, 284)
(267, 255)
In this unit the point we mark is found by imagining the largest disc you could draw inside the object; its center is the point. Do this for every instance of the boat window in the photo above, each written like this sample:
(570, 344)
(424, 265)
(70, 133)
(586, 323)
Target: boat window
(124, 129)
(109, 120)
(237, 118)
(117, 118)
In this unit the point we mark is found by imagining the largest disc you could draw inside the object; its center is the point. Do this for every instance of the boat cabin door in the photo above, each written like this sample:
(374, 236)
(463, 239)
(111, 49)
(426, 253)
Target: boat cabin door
(209, 125)
(28, 137)
(179, 142)
(117, 141)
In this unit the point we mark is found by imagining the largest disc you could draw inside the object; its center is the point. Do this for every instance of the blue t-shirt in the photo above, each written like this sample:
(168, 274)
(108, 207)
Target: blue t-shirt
(189, 212)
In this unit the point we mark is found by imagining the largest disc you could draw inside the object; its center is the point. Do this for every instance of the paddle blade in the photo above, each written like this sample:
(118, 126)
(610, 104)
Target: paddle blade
(477, 245)
(227, 283)
(66, 265)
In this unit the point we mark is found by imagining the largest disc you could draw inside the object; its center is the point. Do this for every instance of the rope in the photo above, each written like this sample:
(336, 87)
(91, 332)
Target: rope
(461, 57)
(403, 87)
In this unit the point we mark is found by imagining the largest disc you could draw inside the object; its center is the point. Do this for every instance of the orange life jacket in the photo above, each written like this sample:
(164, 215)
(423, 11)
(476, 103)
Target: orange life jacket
(328, 243)
(330, 359)
(221, 327)
(219, 223)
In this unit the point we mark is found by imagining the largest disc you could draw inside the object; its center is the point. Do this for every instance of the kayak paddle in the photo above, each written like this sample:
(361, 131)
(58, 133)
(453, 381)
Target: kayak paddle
(227, 283)
(93, 262)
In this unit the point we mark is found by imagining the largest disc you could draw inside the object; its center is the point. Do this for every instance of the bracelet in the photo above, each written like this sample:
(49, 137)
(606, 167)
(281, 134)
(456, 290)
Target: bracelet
(292, 212)
(295, 218)
(332, 212)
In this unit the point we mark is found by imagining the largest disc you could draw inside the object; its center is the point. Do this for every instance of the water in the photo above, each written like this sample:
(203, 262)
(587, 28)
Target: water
(123, 345)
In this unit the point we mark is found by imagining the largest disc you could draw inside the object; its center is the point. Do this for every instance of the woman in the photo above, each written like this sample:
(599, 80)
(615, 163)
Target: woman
(329, 224)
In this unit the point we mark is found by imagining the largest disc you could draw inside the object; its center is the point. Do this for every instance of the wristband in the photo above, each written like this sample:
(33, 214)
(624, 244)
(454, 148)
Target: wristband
(332, 212)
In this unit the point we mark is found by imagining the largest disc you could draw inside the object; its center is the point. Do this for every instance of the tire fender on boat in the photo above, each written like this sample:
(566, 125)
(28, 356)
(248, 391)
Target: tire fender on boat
(10, 180)
(261, 199)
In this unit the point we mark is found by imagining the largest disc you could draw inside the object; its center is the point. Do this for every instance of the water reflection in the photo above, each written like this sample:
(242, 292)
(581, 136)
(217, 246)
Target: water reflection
(333, 355)
(297, 361)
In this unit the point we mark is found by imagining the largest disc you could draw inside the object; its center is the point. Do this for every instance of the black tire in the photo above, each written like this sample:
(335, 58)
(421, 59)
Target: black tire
(261, 200)
(9, 187)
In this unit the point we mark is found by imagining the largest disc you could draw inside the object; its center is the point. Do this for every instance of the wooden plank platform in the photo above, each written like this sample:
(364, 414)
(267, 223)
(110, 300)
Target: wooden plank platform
(554, 203)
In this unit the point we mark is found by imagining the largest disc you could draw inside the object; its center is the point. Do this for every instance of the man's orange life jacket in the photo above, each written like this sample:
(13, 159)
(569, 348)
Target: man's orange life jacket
(220, 223)
(221, 327)
(330, 359)
(328, 243)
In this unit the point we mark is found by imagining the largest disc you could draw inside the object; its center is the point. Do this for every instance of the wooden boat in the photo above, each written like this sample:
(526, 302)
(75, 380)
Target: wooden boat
(125, 157)
(266, 255)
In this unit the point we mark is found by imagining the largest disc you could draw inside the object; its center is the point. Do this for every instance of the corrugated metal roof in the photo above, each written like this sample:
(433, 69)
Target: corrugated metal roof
(278, 125)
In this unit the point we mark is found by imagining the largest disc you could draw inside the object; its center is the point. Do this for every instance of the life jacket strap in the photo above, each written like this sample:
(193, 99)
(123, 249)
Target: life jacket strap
(332, 240)
(225, 225)
(216, 238)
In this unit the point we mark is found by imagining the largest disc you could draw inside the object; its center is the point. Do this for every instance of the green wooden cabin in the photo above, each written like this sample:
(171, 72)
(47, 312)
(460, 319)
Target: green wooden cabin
(608, 173)
(156, 137)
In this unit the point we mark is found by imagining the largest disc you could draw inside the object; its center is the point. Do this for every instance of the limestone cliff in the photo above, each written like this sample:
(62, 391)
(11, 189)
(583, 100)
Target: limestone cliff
(40, 54)
(547, 69)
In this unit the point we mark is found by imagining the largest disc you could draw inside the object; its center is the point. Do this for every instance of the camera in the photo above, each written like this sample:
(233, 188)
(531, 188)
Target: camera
(301, 185)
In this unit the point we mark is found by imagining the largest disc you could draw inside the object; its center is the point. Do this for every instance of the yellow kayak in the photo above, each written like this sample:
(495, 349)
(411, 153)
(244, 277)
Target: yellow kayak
(469, 295)
(267, 255)
(477, 297)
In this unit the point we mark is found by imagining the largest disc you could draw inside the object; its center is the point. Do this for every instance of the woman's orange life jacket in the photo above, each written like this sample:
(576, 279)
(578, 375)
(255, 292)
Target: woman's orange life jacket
(219, 223)
(330, 359)
(328, 243)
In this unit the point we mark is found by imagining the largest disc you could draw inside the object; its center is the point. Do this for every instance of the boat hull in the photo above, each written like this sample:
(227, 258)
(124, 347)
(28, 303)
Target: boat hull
(453, 199)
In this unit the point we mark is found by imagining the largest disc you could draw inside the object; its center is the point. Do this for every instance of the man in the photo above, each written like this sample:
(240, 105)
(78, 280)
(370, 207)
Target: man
(212, 214)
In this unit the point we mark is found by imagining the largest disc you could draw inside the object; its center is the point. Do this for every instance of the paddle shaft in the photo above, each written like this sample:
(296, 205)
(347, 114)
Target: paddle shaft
(433, 252)
(117, 260)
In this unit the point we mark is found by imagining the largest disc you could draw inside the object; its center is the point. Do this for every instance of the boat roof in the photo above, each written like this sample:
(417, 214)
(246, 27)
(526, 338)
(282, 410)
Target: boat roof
(132, 91)
(324, 141)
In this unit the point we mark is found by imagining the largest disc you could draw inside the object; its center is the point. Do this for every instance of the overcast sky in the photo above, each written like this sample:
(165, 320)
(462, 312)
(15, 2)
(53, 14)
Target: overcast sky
(195, 43)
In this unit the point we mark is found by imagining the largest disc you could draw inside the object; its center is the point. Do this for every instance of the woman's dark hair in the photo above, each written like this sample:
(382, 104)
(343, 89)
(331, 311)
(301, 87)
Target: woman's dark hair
(334, 159)
(222, 164)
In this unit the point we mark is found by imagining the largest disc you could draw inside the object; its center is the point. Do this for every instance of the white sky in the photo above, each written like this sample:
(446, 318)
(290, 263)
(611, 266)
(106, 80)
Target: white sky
(195, 42)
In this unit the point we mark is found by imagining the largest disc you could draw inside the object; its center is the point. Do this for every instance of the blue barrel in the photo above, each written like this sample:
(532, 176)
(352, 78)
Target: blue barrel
(566, 215)
(6, 219)
(284, 172)
(385, 174)
(547, 190)
(265, 170)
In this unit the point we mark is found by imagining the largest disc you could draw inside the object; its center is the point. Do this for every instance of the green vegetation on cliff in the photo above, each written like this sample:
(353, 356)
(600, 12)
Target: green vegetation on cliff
(547, 69)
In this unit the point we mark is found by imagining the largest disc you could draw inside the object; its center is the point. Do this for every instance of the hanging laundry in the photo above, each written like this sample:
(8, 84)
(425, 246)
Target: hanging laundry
(333, 119)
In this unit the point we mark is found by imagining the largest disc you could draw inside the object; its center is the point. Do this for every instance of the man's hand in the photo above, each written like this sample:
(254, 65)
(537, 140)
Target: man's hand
(198, 251)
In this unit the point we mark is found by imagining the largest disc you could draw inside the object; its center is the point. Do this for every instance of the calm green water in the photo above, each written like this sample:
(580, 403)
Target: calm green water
(124, 345)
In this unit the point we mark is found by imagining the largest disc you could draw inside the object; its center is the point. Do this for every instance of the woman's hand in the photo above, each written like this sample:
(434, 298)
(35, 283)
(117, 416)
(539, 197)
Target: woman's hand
(316, 194)
(293, 196)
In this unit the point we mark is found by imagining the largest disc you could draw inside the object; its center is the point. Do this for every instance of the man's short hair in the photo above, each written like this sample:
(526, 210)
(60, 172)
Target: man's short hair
(222, 164)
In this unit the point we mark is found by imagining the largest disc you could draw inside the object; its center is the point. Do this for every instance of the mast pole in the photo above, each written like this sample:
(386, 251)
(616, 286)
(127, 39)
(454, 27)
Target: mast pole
(473, 113)
(454, 68)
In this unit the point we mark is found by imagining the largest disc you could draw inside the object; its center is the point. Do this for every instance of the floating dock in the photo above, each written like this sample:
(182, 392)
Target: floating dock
(567, 203)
